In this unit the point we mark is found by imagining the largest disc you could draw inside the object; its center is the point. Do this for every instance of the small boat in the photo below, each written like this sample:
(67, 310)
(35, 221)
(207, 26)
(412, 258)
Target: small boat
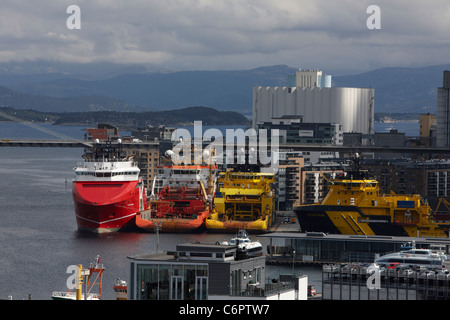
(246, 247)
(86, 277)
(69, 295)
(410, 256)
(121, 289)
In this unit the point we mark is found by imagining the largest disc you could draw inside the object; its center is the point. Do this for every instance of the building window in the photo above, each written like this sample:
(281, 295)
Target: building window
(171, 282)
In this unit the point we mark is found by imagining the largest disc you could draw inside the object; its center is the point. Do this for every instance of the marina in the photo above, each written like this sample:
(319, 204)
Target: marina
(44, 176)
(41, 228)
(215, 158)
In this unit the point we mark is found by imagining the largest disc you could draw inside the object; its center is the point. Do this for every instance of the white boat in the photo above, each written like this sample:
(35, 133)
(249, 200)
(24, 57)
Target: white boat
(246, 247)
(89, 278)
(120, 289)
(60, 295)
(415, 257)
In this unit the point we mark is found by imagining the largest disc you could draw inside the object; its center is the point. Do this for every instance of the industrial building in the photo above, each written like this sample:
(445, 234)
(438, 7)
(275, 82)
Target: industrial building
(317, 101)
(443, 113)
(292, 129)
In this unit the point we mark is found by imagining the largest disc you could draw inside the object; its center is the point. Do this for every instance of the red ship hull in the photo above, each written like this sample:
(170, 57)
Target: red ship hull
(107, 206)
(173, 225)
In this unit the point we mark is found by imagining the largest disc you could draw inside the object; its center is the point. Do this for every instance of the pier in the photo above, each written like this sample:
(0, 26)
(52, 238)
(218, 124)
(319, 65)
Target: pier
(294, 147)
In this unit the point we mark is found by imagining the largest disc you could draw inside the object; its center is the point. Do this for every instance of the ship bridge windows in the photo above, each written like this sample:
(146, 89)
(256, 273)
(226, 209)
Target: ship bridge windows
(352, 184)
(126, 173)
(103, 174)
(85, 173)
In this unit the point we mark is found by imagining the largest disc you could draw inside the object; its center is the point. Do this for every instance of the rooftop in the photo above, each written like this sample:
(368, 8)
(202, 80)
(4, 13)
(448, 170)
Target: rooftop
(343, 237)
(192, 251)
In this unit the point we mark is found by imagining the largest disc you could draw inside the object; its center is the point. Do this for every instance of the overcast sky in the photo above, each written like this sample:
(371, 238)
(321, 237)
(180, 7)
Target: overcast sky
(331, 35)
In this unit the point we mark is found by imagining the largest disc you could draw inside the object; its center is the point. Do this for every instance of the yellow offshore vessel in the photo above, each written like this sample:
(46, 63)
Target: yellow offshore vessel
(245, 201)
(354, 206)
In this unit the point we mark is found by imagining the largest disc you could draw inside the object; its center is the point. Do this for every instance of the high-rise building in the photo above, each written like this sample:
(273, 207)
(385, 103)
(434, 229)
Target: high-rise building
(443, 113)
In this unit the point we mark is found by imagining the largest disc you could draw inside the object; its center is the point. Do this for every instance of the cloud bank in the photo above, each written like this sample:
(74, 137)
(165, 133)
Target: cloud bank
(229, 34)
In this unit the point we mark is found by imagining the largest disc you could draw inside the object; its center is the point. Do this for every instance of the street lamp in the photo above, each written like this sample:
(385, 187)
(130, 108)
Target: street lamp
(293, 261)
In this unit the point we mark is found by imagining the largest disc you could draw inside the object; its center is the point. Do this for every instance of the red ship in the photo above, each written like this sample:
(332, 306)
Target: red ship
(181, 198)
(107, 191)
(178, 209)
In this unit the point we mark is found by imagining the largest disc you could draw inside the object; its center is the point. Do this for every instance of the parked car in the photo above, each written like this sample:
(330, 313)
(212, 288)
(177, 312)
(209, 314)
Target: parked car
(311, 291)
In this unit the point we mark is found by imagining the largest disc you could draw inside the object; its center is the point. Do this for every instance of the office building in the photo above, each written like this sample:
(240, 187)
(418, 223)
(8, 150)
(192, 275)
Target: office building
(198, 271)
(293, 130)
(443, 113)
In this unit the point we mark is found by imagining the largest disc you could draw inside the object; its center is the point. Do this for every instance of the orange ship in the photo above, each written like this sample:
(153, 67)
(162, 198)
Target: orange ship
(179, 201)
(179, 209)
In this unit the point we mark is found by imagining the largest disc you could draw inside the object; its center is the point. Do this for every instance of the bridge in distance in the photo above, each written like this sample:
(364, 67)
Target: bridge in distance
(294, 147)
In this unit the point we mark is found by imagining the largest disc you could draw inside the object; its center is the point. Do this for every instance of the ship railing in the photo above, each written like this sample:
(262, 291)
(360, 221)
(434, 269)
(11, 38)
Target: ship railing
(83, 164)
(62, 294)
(73, 294)
(269, 289)
(127, 159)
(146, 215)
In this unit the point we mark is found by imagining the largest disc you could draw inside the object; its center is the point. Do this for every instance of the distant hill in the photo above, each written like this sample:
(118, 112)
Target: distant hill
(402, 90)
(178, 117)
(223, 90)
(14, 99)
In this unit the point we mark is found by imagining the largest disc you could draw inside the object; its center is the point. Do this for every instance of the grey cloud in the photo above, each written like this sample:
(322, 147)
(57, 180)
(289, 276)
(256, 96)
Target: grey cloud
(209, 34)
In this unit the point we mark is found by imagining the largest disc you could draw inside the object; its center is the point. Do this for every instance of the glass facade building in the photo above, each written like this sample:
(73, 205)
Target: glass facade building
(195, 272)
(319, 247)
(168, 281)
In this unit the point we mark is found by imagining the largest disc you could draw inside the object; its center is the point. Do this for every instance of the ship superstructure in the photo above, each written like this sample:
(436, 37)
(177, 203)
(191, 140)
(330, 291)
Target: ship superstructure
(245, 201)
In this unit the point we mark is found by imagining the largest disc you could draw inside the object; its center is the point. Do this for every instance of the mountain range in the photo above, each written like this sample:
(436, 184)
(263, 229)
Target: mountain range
(101, 87)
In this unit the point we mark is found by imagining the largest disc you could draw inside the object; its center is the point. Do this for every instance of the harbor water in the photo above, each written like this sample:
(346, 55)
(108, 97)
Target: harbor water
(39, 238)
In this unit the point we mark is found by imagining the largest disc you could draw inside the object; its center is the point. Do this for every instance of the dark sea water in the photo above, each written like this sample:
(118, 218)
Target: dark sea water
(38, 232)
